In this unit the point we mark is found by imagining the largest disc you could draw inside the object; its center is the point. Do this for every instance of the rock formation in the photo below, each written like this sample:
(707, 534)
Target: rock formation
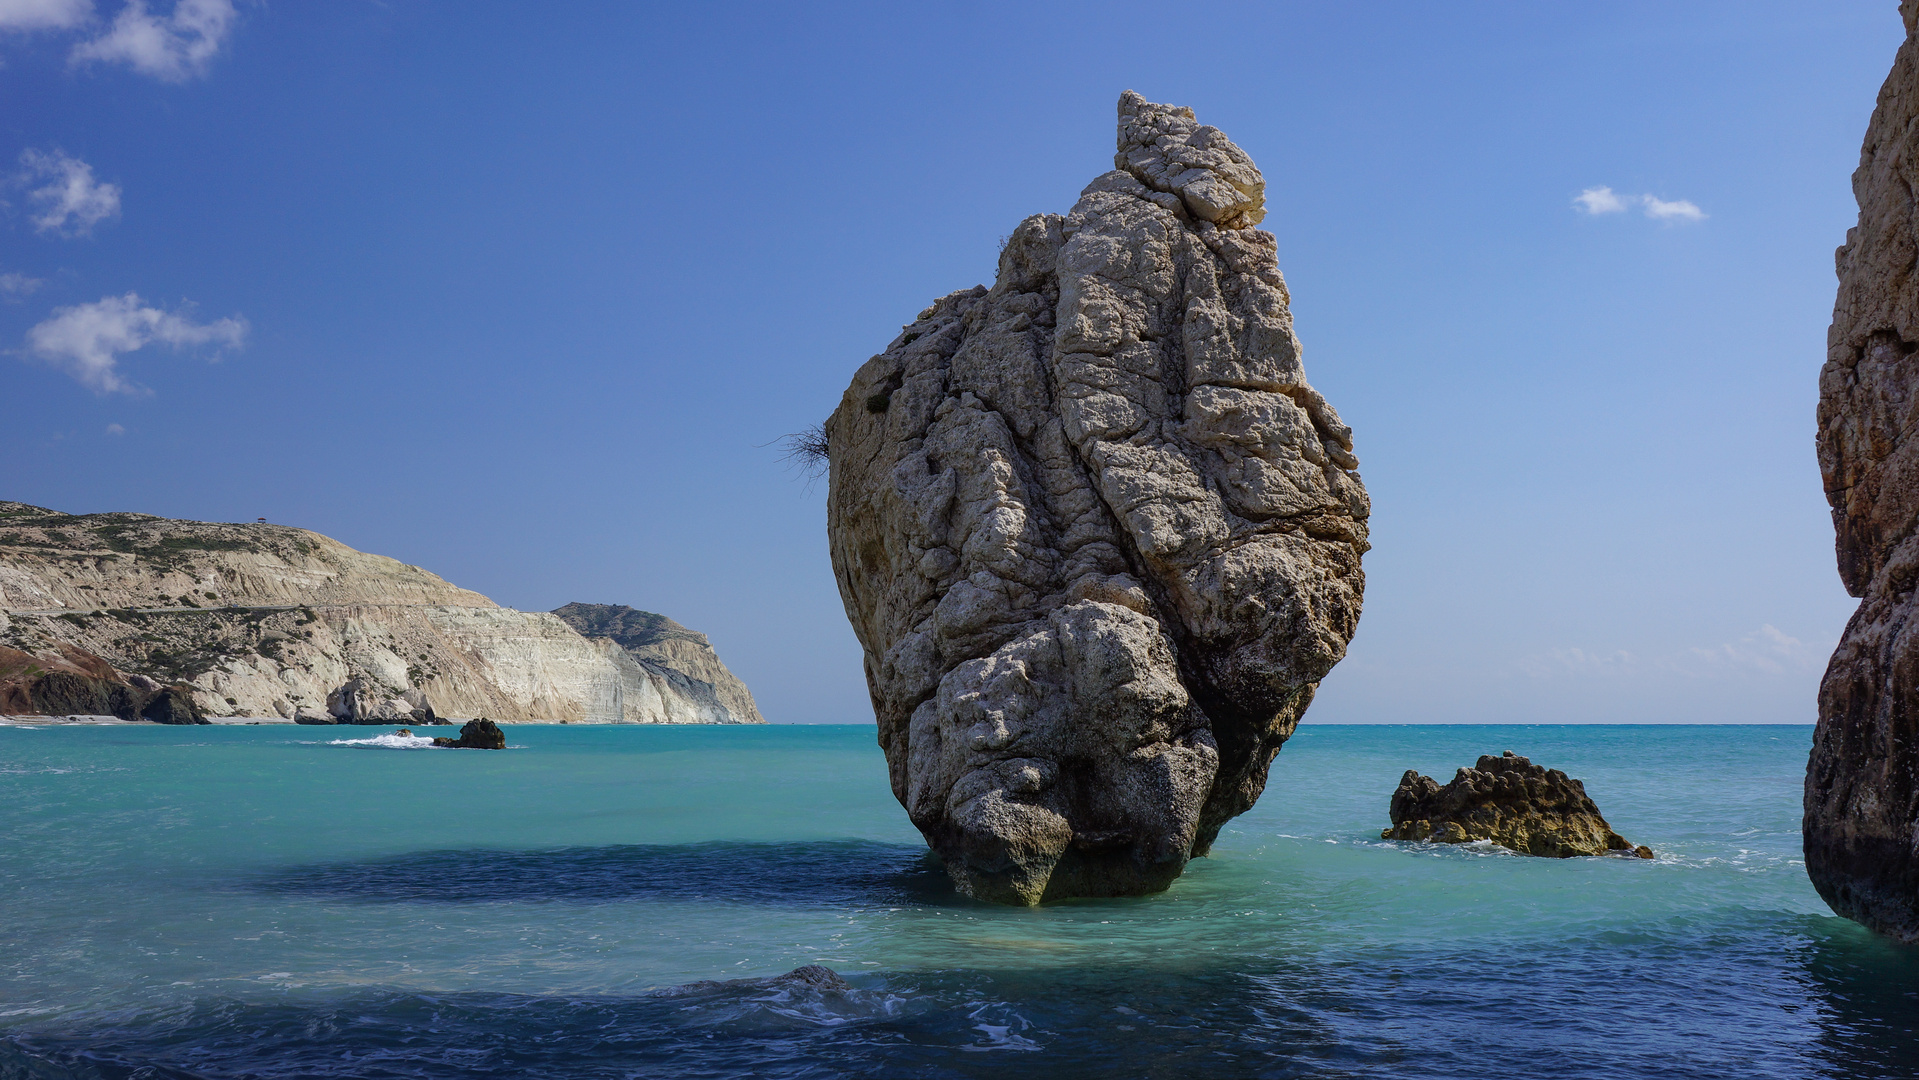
(1098, 537)
(264, 620)
(1862, 783)
(670, 653)
(73, 682)
(481, 734)
(1512, 802)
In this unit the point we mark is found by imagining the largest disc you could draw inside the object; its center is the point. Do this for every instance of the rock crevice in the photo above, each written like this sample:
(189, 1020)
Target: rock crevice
(1099, 538)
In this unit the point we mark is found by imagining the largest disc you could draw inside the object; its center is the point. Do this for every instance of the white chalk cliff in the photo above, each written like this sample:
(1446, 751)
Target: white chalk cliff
(265, 620)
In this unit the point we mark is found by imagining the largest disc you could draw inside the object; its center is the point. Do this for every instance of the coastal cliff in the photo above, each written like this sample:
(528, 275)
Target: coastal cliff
(1098, 536)
(1862, 782)
(269, 620)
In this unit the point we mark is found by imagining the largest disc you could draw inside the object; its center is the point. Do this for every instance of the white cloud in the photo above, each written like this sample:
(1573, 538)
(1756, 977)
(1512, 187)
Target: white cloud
(1767, 650)
(15, 286)
(73, 201)
(173, 47)
(1604, 200)
(116, 429)
(1680, 210)
(87, 339)
(44, 14)
(1599, 200)
(1575, 661)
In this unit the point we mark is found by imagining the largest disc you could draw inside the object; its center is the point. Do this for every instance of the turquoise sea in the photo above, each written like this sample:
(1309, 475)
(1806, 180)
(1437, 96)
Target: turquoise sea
(269, 902)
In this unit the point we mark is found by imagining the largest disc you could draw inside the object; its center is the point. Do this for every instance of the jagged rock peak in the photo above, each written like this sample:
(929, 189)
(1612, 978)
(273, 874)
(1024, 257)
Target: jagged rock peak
(1098, 536)
(1166, 148)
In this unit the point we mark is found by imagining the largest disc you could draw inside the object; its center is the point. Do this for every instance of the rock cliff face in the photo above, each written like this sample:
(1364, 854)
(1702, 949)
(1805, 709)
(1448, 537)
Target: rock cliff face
(264, 620)
(1099, 538)
(1862, 783)
(671, 654)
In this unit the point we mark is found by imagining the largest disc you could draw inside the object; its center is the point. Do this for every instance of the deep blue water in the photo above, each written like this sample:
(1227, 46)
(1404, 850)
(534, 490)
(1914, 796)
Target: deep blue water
(263, 902)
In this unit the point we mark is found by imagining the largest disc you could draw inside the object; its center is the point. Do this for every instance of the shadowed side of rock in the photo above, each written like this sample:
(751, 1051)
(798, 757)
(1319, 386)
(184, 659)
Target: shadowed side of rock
(1510, 801)
(1861, 819)
(1098, 536)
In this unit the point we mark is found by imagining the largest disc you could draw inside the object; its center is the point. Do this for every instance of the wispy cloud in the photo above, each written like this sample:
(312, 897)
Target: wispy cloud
(15, 286)
(173, 47)
(1767, 650)
(1604, 200)
(44, 14)
(86, 340)
(116, 429)
(1599, 200)
(72, 201)
(1678, 210)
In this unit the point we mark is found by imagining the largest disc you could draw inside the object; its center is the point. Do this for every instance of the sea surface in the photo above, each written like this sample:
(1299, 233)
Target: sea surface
(302, 902)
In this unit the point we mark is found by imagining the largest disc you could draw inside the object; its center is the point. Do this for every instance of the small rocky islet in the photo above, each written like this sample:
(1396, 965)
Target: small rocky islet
(1509, 801)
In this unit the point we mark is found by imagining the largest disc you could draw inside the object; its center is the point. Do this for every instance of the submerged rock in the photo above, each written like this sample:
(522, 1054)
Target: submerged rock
(1098, 537)
(481, 734)
(811, 977)
(1510, 801)
(1862, 780)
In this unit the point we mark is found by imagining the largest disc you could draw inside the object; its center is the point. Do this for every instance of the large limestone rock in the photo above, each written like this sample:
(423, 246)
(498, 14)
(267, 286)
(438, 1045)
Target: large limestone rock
(1862, 783)
(265, 620)
(1099, 538)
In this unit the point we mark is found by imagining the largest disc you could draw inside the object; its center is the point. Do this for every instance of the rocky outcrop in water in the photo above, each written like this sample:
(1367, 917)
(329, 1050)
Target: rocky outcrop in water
(481, 734)
(1510, 801)
(266, 620)
(1861, 819)
(1099, 538)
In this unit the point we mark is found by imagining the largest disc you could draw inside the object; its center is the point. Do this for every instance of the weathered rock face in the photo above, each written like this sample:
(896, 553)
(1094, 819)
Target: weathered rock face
(1099, 538)
(1512, 802)
(70, 681)
(1862, 783)
(266, 620)
(679, 660)
(481, 734)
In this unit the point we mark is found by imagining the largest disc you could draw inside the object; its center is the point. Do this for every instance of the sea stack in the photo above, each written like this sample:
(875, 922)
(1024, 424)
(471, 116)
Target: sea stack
(1099, 538)
(1862, 795)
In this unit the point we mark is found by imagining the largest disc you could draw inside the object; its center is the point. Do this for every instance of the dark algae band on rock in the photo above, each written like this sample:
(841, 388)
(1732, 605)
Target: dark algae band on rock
(1510, 801)
(1098, 536)
(1861, 818)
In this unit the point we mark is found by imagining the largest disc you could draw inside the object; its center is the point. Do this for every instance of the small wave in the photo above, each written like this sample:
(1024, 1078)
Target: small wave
(388, 741)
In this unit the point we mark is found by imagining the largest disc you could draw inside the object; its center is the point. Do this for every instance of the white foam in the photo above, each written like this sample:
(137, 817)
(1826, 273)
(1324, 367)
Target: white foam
(390, 740)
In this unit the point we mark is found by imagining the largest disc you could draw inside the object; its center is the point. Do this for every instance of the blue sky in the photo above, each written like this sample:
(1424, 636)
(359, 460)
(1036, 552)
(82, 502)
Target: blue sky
(523, 294)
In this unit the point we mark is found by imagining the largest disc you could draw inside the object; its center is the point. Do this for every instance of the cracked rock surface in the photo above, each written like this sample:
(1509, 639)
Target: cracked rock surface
(1862, 782)
(1099, 538)
(1510, 801)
